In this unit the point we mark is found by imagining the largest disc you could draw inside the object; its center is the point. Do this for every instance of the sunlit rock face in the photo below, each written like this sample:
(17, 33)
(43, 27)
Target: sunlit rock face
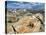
(27, 24)
(24, 17)
(25, 21)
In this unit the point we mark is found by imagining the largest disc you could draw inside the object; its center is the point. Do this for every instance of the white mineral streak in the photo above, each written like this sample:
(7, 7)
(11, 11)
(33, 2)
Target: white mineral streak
(39, 16)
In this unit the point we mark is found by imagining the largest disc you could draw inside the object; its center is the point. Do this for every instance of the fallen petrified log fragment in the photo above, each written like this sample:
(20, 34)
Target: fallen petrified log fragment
(27, 24)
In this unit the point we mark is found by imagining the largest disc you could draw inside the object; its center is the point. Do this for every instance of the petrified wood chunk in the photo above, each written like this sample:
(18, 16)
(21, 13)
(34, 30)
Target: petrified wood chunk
(27, 24)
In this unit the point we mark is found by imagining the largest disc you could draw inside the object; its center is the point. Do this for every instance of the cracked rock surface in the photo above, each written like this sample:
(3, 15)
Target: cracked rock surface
(25, 22)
